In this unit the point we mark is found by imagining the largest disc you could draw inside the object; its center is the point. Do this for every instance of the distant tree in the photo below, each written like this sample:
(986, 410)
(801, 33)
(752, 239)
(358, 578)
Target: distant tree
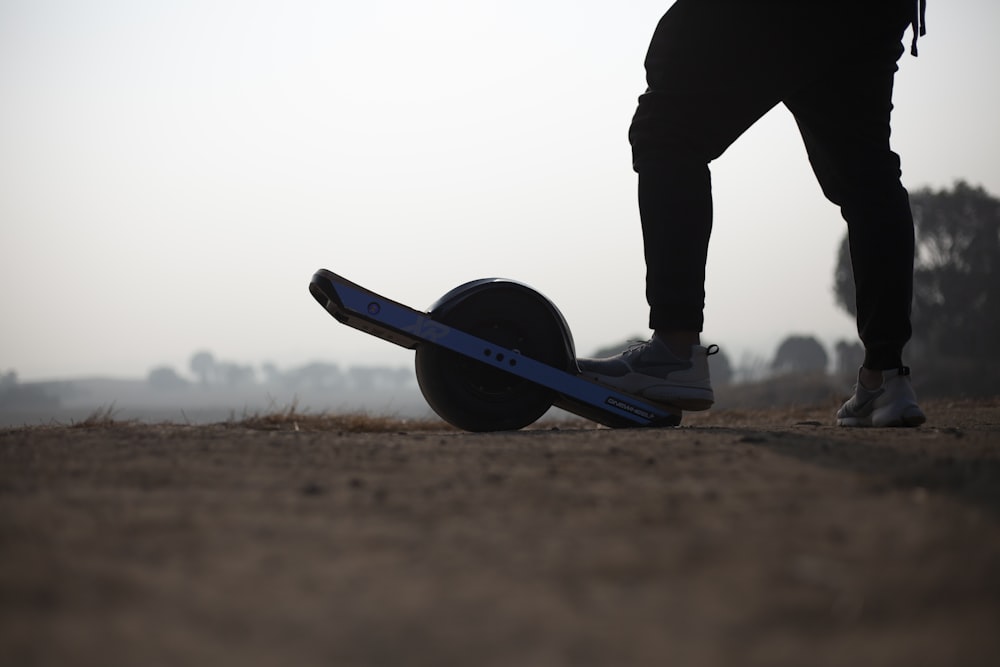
(314, 375)
(203, 366)
(8, 379)
(720, 368)
(751, 368)
(364, 378)
(272, 375)
(849, 357)
(234, 375)
(385, 377)
(956, 300)
(165, 378)
(28, 396)
(800, 354)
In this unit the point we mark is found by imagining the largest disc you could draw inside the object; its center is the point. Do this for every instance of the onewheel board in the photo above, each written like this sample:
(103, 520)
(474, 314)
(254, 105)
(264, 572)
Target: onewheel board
(491, 354)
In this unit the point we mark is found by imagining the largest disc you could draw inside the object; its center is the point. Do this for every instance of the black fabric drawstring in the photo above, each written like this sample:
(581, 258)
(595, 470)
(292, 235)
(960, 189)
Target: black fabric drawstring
(919, 23)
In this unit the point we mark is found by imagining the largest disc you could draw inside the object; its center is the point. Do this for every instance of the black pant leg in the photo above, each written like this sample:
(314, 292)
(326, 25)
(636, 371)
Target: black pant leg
(714, 67)
(844, 118)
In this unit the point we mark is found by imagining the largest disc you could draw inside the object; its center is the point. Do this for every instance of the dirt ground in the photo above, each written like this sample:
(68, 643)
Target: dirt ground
(741, 538)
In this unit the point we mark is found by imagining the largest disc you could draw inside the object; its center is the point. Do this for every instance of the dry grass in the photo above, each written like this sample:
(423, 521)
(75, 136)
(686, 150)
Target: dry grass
(806, 402)
(102, 417)
(291, 419)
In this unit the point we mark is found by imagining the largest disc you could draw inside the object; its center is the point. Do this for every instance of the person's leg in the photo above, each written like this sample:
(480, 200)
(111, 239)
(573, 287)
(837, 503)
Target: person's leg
(844, 118)
(845, 122)
(714, 67)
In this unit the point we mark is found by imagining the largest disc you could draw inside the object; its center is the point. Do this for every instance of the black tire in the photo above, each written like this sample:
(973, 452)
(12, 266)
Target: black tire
(475, 396)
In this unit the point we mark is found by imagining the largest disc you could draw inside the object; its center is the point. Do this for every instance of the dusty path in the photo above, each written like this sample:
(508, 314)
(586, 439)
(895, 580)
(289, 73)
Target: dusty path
(740, 539)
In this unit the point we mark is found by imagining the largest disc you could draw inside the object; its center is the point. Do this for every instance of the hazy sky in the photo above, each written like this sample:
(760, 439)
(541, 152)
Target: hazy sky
(172, 173)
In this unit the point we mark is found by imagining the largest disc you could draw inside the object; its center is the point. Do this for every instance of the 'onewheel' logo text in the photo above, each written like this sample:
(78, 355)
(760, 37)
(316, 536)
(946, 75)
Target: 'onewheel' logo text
(628, 407)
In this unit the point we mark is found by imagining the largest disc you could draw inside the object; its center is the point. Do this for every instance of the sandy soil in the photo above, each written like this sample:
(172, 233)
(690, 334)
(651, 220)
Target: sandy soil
(742, 538)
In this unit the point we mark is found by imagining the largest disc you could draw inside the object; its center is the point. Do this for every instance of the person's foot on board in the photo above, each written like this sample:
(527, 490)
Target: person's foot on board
(651, 370)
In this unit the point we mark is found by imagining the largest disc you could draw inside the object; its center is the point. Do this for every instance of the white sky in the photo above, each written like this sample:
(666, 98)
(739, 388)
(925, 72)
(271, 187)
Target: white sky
(172, 173)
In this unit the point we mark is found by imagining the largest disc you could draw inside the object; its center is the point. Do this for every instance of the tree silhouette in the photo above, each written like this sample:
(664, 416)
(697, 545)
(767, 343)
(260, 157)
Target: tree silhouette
(272, 374)
(720, 368)
(8, 379)
(800, 354)
(956, 300)
(166, 378)
(314, 375)
(849, 357)
(234, 375)
(203, 366)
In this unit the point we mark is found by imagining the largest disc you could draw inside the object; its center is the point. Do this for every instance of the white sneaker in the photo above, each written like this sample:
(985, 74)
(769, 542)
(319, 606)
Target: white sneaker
(652, 371)
(892, 404)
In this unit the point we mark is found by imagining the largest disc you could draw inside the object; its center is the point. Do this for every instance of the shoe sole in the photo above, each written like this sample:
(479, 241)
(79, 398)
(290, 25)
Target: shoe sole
(692, 399)
(691, 404)
(910, 418)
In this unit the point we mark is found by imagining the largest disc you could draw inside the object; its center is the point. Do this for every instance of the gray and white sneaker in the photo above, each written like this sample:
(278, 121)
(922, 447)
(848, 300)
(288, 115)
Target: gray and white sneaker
(892, 404)
(652, 371)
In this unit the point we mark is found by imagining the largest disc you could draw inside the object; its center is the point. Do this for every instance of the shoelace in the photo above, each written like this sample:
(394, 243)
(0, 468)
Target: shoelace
(918, 23)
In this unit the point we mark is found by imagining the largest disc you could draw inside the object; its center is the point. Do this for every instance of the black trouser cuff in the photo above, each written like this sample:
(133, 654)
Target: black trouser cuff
(883, 358)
